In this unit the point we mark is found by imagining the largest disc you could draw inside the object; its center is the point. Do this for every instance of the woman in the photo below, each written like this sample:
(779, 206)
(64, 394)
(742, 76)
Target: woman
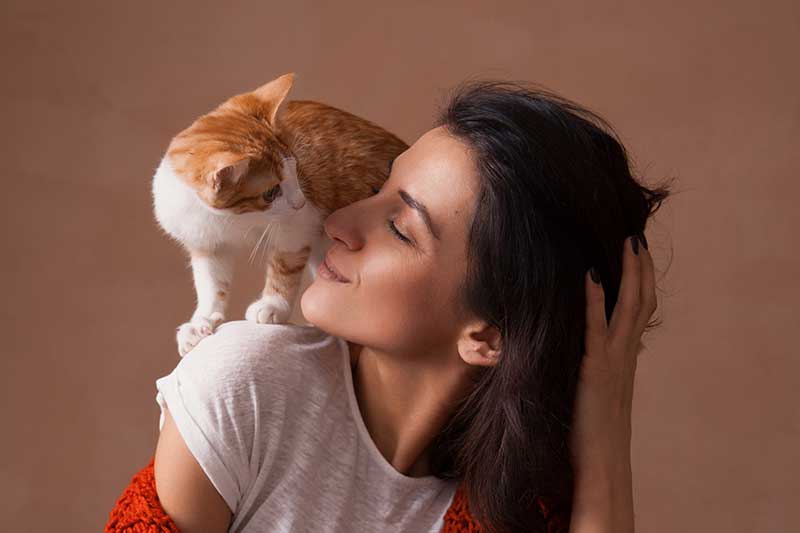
(480, 356)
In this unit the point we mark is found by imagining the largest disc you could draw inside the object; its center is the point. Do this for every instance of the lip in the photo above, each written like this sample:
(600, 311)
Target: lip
(330, 266)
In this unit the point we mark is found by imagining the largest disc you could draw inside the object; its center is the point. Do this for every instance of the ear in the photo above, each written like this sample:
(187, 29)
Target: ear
(226, 174)
(274, 94)
(479, 344)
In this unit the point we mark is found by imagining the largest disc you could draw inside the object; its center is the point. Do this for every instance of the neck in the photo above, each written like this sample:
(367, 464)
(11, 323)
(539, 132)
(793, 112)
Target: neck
(405, 402)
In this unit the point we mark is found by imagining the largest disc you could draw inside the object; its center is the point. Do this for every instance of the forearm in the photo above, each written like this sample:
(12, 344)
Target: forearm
(603, 503)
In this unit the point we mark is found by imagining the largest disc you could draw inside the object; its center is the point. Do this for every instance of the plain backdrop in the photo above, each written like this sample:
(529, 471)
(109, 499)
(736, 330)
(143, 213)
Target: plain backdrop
(92, 92)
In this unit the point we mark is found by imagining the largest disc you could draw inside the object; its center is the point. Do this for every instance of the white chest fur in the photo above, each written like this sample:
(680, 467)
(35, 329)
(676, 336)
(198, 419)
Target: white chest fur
(196, 225)
(213, 236)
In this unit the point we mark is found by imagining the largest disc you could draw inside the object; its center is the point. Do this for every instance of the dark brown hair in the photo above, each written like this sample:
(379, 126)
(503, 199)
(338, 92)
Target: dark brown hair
(556, 197)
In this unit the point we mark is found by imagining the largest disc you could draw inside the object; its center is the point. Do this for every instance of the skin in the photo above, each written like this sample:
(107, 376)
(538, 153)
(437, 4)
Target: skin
(408, 367)
(185, 492)
(414, 351)
(601, 435)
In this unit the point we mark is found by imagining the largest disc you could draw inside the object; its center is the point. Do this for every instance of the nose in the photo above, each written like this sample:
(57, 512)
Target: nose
(344, 225)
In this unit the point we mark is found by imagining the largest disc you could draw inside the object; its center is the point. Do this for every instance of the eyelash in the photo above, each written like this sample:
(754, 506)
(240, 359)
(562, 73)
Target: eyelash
(391, 226)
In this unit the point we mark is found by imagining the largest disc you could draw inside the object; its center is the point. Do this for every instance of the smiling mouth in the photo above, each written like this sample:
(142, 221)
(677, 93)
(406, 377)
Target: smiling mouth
(328, 273)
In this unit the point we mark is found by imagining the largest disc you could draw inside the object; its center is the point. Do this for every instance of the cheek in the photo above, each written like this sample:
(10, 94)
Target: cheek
(399, 303)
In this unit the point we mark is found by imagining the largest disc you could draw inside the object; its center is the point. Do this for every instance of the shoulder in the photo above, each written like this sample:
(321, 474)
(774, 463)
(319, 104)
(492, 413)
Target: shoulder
(247, 334)
(228, 395)
(253, 343)
(242, 352)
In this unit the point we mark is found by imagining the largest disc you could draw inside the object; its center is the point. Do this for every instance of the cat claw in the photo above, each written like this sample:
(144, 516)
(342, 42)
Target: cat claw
(192, 332)
(216, 318)
(272, 309)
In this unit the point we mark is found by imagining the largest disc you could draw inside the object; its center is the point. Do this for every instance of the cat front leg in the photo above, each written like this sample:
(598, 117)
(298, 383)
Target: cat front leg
(213, 274)
(284, 273)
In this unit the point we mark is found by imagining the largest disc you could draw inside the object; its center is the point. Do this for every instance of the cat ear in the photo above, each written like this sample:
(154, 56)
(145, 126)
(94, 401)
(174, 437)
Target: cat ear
(228, 174)
(274, 93)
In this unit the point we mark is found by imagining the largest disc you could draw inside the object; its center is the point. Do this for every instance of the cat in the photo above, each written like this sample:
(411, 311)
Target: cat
(260, 165)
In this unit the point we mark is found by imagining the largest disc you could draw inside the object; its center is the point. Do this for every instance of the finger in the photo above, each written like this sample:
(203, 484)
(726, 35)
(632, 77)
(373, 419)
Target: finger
(596, 326)
(626, 310)
(648, 304)
(647, 292)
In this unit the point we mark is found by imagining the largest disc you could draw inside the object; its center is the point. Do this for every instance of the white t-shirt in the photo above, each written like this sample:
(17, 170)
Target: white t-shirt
(269, 412)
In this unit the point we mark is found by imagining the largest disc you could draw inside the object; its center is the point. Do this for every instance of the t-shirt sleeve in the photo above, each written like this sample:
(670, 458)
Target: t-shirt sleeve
(211, 395)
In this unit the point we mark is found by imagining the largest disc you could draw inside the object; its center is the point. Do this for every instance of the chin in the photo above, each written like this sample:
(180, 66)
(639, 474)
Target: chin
(331, 311)
(316, 304)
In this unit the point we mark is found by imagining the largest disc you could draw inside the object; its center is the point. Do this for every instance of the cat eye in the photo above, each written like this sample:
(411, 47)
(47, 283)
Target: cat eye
(272, 193)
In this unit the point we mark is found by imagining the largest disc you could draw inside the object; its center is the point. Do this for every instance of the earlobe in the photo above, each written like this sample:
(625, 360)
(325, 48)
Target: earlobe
(480, 345)
(478, 355)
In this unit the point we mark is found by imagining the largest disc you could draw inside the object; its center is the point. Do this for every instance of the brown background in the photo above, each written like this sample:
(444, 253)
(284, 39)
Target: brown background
(92, 92)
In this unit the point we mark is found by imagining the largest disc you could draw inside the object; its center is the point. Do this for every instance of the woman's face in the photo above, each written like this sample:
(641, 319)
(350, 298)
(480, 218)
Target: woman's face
(401, 297)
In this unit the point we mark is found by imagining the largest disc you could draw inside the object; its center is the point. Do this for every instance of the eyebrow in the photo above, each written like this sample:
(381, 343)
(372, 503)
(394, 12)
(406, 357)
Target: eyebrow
(421, 209)
(418, 206)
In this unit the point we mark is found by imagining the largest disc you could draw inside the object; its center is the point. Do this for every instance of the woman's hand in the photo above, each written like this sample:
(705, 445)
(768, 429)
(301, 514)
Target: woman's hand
(601, 436)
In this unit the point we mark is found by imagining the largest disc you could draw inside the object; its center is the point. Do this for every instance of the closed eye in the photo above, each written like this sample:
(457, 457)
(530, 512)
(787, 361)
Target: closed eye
(393, 229)
(391, 226)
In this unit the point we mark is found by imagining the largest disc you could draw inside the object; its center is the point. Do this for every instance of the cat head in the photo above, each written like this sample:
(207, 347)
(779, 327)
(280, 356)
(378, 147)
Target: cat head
(236, 157)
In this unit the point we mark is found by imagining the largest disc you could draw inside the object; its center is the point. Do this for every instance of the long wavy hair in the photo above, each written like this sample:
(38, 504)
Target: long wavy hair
(556, 197)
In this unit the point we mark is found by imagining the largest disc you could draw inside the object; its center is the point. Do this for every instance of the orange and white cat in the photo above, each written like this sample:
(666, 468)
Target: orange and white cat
(262, 171)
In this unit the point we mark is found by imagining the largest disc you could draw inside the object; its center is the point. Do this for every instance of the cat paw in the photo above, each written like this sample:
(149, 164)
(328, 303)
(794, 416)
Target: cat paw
(190, 333)
(272, 309)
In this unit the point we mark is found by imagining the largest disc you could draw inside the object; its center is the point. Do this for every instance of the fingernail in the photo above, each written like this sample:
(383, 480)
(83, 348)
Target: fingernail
(595, 276)
(644, 241)
(635, 245)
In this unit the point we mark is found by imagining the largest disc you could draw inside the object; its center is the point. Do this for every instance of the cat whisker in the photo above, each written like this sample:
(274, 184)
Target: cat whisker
(247, 232)
(268, 242)
(255, 248)
(267, 233)
(270, 238)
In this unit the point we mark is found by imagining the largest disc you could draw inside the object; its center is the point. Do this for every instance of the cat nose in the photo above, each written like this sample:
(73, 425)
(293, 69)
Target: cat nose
(294, 198)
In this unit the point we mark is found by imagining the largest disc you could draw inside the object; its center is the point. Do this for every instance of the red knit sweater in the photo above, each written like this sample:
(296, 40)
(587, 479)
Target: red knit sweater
(138, 510)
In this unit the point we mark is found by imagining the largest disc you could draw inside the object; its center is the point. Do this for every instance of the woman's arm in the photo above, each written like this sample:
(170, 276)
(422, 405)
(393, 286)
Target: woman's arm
(185, 492)
(603, 504)
(601, 435)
